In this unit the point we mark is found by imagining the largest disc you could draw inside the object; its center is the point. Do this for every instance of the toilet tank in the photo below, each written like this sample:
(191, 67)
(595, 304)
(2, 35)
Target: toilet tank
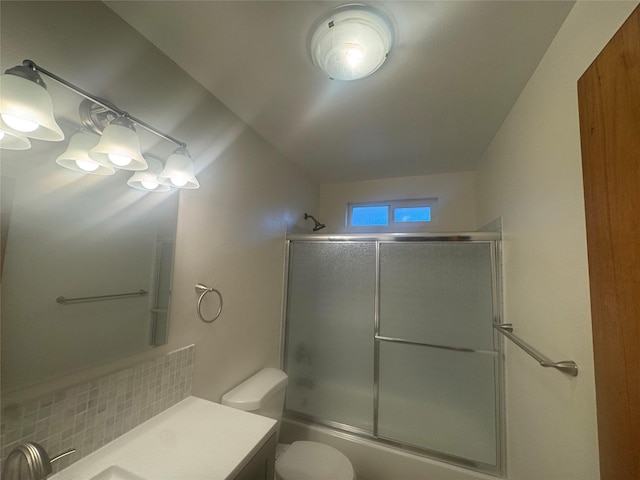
(263, 394)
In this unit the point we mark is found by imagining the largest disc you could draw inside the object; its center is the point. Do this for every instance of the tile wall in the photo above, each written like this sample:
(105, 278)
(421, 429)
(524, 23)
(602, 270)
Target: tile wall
(91, 414)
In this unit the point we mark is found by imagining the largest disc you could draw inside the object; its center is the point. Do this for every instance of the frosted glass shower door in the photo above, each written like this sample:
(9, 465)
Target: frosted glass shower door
(437, 362)
(329, 351)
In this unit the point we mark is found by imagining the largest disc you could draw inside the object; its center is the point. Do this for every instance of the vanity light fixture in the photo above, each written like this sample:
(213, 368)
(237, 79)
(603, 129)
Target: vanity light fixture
(76, 156)
(26, 110)
(352, 42)
(147, 180)
(119, 146)
(12, 141)
(178, 172)
(26, 106)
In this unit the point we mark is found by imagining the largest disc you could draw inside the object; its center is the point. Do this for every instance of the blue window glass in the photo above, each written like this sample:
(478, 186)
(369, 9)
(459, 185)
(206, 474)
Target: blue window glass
(412, 214)
(370, 216)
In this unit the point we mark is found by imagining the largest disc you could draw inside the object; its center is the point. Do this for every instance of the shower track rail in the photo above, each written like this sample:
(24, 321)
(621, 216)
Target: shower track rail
(566, 366)
(395, 237)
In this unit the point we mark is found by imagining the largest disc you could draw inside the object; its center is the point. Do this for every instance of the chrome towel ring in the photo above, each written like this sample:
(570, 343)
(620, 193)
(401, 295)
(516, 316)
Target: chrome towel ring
(203, 290)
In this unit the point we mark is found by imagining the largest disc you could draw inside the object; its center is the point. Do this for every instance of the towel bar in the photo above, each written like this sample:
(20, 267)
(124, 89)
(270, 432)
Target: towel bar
(566, 366)
(97, 298)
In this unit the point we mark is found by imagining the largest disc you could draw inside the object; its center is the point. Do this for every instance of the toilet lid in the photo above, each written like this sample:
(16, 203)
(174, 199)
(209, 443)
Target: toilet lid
(313, 461)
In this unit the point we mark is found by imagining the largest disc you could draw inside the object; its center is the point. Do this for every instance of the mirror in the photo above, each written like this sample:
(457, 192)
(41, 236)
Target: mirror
(72, 235)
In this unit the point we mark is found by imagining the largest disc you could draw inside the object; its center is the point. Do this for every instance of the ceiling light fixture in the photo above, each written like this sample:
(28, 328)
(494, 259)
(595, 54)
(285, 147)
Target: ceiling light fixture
(26, 110)
(352, 42)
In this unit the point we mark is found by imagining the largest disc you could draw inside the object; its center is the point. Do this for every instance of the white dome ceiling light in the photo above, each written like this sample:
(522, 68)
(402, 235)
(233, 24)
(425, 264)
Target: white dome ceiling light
(352, 42)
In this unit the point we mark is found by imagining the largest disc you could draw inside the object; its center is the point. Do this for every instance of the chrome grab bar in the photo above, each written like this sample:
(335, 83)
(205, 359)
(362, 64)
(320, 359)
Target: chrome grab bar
(64, 300)
(566, 366)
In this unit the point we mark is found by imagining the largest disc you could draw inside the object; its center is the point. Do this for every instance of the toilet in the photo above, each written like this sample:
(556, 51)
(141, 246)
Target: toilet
(264, 394)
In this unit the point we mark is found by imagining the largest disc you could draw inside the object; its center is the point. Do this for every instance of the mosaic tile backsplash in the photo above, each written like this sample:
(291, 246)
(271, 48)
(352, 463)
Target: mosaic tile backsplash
(90, 415)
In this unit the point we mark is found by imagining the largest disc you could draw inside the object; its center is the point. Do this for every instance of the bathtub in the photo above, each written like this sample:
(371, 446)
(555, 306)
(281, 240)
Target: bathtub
(372, 459)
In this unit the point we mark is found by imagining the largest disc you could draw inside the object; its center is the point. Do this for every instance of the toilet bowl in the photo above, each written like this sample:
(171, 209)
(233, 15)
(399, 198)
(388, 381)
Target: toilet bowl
(264, 394)
(313, 461)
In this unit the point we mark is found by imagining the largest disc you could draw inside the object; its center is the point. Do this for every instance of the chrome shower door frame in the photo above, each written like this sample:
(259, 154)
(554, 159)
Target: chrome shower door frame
(347, 431)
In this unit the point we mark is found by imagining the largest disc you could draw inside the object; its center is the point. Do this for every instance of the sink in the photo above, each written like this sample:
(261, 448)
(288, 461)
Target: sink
(114, 472)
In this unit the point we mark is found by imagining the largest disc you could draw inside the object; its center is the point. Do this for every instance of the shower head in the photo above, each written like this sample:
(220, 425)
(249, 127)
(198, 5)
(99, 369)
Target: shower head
(318, 225)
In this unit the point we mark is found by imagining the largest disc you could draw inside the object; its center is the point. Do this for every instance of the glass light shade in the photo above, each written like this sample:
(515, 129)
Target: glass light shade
(179, 171)
(76, 156)
(351, 43)
(147, 180)
(119, 147)
(12, 141)
(26, 107)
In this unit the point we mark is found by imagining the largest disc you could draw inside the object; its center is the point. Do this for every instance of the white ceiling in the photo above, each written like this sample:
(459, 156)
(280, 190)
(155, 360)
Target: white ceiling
(454, 72)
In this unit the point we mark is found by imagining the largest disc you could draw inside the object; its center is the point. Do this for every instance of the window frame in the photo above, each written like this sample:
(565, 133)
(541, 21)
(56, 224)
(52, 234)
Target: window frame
(431, 202)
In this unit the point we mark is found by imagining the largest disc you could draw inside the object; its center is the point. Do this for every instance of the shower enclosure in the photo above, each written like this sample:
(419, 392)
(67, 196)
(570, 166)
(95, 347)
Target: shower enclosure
(391, 338)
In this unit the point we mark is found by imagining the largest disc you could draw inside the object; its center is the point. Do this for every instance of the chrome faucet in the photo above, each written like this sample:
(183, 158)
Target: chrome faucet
(30, 461)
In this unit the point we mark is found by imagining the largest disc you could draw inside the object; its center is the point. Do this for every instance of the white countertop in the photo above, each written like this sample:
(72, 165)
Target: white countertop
(193, 440)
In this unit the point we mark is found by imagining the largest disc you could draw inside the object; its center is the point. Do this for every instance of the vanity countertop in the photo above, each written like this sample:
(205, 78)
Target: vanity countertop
(192, 440)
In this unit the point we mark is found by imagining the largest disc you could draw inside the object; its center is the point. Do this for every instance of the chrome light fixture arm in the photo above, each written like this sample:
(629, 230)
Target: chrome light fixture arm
(103, 103)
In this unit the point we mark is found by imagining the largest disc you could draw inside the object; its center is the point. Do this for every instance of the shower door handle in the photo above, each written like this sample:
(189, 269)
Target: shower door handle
(423, 344)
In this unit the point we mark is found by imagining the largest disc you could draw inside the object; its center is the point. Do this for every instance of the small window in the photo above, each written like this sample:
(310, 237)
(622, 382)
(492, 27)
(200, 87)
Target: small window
(392, 214)
(412, 214)
(365, 216)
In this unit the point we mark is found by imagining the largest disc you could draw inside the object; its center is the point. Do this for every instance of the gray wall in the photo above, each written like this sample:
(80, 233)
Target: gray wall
(531, 175)
(454, 211)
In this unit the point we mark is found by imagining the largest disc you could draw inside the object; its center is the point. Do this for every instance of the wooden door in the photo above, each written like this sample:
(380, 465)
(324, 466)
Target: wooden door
(609, 101)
